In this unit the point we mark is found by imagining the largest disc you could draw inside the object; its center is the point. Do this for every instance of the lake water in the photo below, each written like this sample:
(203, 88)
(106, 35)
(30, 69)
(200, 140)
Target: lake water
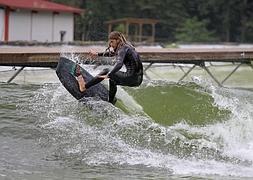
(180, 131)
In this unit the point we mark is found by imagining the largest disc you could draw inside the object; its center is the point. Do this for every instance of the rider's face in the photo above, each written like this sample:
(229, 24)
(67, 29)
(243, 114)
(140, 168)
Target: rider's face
(113, 43)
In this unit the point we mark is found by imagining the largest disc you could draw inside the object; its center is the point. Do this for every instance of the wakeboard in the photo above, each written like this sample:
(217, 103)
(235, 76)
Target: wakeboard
(66, 72)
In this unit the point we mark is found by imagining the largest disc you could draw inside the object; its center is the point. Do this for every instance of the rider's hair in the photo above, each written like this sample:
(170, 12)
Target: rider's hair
(118, 35)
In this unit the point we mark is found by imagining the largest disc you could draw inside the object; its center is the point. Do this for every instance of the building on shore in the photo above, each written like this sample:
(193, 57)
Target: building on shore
(36, 20)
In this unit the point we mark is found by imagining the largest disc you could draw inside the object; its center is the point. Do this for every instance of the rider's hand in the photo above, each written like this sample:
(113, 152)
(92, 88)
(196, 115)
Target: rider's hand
(93, 54)
(103, 77)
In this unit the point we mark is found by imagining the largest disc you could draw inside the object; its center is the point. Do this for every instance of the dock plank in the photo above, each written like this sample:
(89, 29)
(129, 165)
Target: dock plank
(49, 56)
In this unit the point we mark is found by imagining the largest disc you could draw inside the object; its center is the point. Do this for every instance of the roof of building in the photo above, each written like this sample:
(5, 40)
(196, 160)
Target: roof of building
(38, 5)
(133, 21)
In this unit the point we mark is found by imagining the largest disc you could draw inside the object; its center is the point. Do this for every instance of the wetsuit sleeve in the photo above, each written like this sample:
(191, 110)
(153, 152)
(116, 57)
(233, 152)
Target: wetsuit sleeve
(107, 54)
(119, 61)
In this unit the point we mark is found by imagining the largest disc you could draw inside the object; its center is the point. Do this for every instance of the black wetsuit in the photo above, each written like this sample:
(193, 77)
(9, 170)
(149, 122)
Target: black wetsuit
(125, 55)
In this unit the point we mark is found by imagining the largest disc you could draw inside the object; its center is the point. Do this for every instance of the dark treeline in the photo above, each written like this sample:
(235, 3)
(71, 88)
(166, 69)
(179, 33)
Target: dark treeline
(180, 20)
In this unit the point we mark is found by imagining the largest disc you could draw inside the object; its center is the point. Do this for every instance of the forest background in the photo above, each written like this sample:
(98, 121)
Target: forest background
(211, 21)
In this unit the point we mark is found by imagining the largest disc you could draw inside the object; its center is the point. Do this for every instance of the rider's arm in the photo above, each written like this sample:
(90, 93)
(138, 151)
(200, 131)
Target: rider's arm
(119, 61)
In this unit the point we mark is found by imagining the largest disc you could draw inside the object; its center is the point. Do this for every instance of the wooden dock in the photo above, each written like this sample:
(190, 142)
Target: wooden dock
(49, 56)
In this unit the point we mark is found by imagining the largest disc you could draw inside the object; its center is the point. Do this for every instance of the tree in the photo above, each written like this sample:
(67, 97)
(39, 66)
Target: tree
(193, 30)
(219, 20)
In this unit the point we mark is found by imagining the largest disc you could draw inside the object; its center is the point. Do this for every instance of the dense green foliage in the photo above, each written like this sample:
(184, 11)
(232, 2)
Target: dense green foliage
(181, 20)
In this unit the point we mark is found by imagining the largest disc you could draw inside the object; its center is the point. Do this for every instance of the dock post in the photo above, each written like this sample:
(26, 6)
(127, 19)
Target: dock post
(231, 73)
(250, 65)
(187, 73)
(148, 66)
(19, 71)
(207, 70)
(182, 69)
(147, 69)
